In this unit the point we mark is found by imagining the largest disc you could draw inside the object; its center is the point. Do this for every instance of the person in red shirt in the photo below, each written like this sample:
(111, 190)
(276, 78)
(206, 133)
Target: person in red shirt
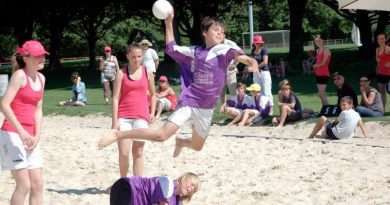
(321, 68)
(130, 107)
(166, 97)
(21, 131)
(383, 66)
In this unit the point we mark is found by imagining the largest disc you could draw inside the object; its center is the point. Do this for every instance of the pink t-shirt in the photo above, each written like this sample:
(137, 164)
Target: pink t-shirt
(24, 105)
(133, 102)
(323, 70)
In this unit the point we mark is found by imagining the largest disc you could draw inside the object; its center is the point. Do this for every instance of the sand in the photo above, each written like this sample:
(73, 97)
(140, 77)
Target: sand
(251, 165)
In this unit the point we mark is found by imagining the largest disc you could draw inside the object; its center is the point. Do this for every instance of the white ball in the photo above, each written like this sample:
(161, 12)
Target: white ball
(161, 8)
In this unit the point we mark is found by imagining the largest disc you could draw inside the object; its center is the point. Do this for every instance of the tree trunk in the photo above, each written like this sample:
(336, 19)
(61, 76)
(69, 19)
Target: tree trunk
(297, 10)
(195, 35)
(381, 26)
(56, 29)
(364, 24)
(23, 29)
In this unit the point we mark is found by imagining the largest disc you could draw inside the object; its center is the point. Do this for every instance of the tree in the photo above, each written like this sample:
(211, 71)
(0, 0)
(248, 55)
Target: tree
(297, 11)
(364, 20)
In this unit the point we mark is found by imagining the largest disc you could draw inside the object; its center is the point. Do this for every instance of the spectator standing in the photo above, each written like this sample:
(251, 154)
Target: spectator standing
(108, 67)
(149, 56)
(263, 78)
(231, 76)
(321, 68)
(383, 66)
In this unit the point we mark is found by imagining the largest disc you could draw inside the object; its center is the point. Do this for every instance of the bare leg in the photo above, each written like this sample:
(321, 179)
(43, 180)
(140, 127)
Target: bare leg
(284, 112)
(307, 112)
(320, 123)
(22, 188)
(159, 109)
(245, 117)
(275, 121)
(160, 135)
(195, 142)
(138, 162)
(36, 190)
(236, 119)
(322, 93)
(382, 90)
(124, 153)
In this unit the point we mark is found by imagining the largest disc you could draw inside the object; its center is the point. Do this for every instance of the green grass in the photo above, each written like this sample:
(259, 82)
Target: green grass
(344, 58)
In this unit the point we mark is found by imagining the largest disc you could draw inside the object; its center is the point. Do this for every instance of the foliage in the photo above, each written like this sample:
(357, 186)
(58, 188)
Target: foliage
(320, 19)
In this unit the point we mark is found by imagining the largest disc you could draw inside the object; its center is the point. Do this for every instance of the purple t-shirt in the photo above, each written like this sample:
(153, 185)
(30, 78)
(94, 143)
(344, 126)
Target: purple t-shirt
(150, 191)
(203, 72)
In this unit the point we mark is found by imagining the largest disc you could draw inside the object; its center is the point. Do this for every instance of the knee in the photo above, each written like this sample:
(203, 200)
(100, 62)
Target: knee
(323, 119)
(161, 137)
(23, 187)
(37, 186)
(198, 148)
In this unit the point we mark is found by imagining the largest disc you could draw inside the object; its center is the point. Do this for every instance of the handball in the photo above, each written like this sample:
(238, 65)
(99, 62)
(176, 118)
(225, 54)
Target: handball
(161, 8)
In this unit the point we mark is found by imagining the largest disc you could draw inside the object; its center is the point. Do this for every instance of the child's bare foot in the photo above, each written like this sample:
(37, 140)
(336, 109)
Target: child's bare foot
(275, 122)
(108, 139)
(181, 142)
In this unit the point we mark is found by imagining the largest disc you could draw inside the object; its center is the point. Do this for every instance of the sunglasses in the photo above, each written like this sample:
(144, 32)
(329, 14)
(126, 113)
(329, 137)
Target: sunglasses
(334, 79)
(107, 51)
(363, 80)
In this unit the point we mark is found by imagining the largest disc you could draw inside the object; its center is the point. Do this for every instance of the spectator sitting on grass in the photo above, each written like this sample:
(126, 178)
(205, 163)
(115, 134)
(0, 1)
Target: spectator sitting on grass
(371, 101)
(290, 107)
(78, 89)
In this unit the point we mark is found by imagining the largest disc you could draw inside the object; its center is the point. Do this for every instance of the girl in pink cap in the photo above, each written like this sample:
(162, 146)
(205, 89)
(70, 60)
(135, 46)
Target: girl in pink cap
(108, 67)
(21, 130)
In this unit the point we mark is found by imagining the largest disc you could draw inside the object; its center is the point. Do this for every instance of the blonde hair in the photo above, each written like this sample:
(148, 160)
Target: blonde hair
(283, 82)
(240, 85)
(188, 176)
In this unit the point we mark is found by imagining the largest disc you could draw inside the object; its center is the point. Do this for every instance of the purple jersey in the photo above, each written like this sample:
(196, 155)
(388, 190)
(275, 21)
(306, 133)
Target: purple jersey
(203, 72)
(150, 191)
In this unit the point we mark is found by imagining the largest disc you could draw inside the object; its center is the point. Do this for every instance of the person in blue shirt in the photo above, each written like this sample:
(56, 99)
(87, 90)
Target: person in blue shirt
(78, 89)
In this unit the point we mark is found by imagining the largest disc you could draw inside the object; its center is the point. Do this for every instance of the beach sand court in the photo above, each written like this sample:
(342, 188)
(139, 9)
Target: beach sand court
(251, 165)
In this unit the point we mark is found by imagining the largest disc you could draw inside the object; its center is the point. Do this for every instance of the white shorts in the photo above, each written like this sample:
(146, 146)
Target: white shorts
(236, 110)
(132, 124)
(13, 155)
(166, 104)
(199, 119)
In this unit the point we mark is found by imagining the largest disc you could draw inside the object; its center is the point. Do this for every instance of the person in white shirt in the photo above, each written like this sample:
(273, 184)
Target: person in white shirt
(345, 124)
(149, 56)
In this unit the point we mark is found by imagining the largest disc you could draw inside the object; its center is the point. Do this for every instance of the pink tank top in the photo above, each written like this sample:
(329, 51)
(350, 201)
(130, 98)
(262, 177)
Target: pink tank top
(133, 102)
(383, 59)
(24, 105)
(323, 70)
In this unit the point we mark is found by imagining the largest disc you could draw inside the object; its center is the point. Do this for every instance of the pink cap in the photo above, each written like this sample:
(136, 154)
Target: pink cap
(107, 48)
(163, 78)
(33, 48)
(258, 39)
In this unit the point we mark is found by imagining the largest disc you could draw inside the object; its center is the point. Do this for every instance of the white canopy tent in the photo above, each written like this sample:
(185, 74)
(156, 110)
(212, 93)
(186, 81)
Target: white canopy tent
(380, 5)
